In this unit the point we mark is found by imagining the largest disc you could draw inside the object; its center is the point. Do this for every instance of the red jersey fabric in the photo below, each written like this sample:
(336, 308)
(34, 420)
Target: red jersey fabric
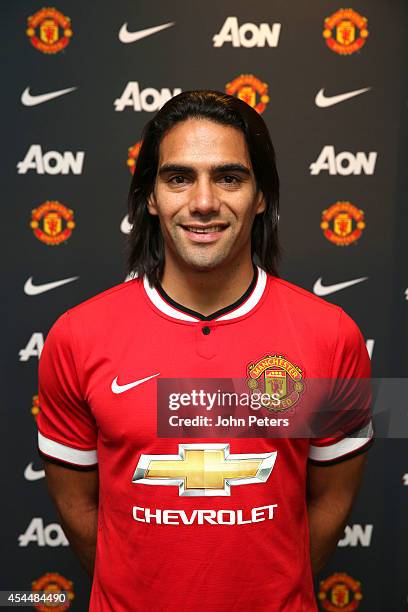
(185, 545)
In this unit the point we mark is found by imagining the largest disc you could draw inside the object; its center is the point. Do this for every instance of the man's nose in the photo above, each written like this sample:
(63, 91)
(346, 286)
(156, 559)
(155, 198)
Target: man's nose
(204, 198)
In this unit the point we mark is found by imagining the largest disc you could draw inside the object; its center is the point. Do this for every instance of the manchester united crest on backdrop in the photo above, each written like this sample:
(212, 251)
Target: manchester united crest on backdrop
(342, 223)
(52, 222)
(133, 154)
(56, 591)
(49, 30)
(35, 408)
(345, 31)
(251, 90)
(340, 592)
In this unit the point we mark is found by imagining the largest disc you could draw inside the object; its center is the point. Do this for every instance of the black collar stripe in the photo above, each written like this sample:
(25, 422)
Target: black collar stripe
(163, 302)
(217, 313)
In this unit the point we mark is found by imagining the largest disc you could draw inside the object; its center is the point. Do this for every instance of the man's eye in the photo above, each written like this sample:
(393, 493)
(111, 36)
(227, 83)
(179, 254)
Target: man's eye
(179, 180)
(230, 179)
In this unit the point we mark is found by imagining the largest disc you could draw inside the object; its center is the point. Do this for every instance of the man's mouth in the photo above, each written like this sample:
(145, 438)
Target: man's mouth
(204, 229)
(204, 233)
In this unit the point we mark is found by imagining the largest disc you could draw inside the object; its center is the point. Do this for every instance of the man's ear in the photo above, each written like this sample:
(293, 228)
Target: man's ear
(152, 204)
(261, 204)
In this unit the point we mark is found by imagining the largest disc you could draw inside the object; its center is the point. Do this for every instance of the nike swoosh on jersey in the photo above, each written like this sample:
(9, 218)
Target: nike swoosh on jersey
(324, 101)
(131, 37)
(121, 388)
(321, 290)
(31, 474)
(30, 289)
(32, 100)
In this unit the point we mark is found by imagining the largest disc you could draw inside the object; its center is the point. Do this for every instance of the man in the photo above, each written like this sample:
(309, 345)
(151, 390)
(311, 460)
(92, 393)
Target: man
(158, 521)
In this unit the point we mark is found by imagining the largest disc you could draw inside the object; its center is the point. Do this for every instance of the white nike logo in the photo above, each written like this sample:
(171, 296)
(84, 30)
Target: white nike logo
(121, 388)
(130, 37)
(29, 100)
(31, 474)
(30, 289)
(320, 289)
(125, 226)
(324, 101)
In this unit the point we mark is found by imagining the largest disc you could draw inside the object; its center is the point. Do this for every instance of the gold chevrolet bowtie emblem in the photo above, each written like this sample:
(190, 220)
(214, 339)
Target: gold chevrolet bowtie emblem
(204, 469)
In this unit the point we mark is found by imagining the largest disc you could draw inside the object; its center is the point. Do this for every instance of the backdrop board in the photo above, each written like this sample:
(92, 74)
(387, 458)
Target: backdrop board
(80, 80)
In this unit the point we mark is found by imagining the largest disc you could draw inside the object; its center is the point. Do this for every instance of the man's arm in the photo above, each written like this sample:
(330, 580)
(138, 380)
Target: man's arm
(75, 494)
(331, 492)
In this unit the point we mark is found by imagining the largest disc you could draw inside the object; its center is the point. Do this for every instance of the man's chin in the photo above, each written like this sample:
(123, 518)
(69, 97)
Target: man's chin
(205, 264)
(202, 258)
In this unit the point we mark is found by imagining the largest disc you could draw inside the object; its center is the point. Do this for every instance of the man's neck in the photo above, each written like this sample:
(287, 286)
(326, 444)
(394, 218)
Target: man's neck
(207, 291)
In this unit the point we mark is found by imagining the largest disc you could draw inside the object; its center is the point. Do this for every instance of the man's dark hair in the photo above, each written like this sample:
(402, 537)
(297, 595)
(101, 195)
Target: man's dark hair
(146, 247)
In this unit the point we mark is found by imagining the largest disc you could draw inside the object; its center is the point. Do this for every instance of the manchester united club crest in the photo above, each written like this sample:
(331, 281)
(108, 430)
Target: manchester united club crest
(53, 585)
(342, 223)
(133, 154)
(35, 408)
(275, 375)
(251, 90)
(52, 222)
(345, 31)
(49, 30)
(340, 592)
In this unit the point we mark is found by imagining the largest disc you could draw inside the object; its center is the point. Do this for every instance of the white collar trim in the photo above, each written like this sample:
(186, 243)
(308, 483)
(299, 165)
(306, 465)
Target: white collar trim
(251, 301)
(241, 310)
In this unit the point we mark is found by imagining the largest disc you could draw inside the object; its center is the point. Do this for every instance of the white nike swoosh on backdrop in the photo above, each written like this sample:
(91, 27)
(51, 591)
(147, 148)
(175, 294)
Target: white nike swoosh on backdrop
(29, 100)
(130, 37)
(31, 474)
(30, 289)
(320, 289)
(121, 388)
(130, 276)
(324, 101)
(125, 226)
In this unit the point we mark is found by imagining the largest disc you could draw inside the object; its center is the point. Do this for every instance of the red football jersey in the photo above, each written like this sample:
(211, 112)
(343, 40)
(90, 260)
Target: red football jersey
(174, 532)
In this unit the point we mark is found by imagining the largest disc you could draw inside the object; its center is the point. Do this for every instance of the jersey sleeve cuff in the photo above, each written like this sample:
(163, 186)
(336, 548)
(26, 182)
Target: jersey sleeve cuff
(343, 449)
(66, 454)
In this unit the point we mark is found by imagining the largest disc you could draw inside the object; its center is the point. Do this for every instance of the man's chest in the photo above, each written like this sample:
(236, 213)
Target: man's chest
(132, 379)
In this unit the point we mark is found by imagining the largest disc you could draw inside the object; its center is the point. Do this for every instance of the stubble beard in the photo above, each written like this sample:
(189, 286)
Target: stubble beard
(200, 257)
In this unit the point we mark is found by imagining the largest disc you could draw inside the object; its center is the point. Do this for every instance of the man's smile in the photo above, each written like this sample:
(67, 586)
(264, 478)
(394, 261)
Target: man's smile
(203, 233)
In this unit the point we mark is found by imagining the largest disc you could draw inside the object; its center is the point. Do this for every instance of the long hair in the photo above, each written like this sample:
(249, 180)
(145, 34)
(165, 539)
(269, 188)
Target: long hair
(145, 242)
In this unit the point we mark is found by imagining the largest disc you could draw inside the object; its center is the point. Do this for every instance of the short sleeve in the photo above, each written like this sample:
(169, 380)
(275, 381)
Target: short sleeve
(67, 430)
(350, 400)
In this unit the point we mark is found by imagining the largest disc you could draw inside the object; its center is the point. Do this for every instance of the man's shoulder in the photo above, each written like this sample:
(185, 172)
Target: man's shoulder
(113, 294)
(303, 298)
(312, 311)
(109, 302)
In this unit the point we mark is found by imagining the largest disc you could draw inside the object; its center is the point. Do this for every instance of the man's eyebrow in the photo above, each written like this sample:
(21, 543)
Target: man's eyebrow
(167, 168)
(233, 167)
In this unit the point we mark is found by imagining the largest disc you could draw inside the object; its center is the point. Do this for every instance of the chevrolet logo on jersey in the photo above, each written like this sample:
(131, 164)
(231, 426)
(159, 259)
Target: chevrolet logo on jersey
(204, 469)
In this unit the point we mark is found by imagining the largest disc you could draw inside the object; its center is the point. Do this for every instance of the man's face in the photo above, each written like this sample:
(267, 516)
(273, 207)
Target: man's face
(205, 194)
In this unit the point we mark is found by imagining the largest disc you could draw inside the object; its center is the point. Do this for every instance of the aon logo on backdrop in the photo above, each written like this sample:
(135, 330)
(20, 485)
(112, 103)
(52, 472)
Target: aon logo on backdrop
(33, 348)
(248, 34)
(355, 535)
(149, 99)
(51, 162)
(36, 532)
(344, 163)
